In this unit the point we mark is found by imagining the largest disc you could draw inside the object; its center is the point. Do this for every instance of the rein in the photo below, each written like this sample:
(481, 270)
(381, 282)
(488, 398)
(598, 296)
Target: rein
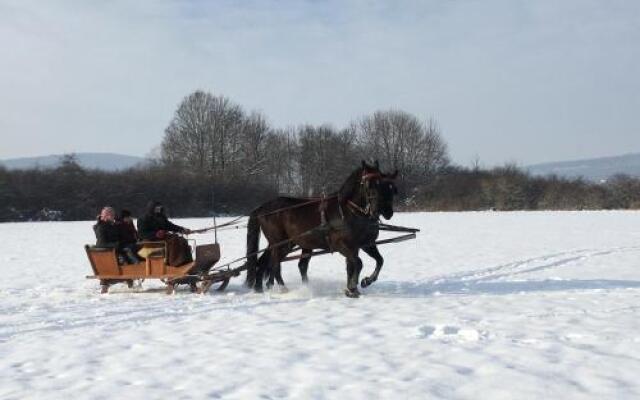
(231, 224)
(311, 201)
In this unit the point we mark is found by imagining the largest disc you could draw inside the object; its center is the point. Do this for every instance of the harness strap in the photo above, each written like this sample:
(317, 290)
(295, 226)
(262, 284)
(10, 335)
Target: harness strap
(357, 208)
(371, 175)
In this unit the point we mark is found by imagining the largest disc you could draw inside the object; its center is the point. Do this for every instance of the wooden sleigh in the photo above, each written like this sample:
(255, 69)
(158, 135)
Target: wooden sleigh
(196, 273)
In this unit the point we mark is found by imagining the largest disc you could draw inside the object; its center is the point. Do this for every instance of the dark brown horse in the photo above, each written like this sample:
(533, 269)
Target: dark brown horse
(346, 222)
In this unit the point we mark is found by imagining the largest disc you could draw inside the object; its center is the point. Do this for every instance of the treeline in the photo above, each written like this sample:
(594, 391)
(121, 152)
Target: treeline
(70, 192)
(509, 188)
(216, 157)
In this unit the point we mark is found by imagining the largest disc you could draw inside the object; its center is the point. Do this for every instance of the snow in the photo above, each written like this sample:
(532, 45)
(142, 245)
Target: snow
(492, 305)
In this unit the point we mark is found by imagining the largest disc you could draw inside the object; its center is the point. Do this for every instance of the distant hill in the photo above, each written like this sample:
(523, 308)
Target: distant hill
(102, 161)
(595, 169)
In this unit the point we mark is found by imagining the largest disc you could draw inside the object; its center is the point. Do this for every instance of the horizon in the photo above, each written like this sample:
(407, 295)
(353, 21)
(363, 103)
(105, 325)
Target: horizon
(507, 82)
(148, 157)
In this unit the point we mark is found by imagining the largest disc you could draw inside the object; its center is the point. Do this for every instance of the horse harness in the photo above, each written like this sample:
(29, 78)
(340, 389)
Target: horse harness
(325, 226)
(367, 211)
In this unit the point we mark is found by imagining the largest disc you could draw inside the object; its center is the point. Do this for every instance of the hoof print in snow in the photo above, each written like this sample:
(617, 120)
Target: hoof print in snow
(450, 333)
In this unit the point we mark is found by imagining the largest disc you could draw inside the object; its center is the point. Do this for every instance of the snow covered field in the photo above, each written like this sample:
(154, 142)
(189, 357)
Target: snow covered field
(482, 305)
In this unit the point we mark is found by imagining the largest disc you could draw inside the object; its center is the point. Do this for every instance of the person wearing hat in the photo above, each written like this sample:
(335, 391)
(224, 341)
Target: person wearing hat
(155, 226)
(108, 233)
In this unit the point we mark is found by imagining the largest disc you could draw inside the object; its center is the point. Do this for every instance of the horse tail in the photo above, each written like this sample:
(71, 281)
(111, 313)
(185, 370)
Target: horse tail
(253, 242)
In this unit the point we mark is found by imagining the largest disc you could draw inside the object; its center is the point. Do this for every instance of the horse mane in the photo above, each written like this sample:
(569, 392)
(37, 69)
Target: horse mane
(350, 185)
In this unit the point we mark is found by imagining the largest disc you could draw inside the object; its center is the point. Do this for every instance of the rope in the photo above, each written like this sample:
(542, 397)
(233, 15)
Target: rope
(232, 223)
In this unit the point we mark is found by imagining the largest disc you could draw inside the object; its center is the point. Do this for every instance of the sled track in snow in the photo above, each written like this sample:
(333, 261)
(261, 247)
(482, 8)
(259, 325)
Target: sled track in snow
(534, 264)
(495, 280)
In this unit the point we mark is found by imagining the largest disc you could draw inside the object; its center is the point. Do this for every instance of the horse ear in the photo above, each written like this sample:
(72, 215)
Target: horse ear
(364, 164)
(394, 175)
(377, 165)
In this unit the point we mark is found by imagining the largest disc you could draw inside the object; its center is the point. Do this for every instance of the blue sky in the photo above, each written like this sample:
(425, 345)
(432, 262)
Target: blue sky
(507, 81)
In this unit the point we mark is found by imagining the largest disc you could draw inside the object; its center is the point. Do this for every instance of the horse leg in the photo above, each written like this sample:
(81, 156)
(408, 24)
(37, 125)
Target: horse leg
(303, 265)
(261, 266)
(276, 272)
(373, 252)
(271, 271)
(274, 268)
(269, 258)
(354, 266)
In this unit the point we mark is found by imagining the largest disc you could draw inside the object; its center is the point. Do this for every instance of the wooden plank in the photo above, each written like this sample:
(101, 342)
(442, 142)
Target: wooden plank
(105, 262)
(397, 239)
(134, 269)
(178, 271)
(139, 276)
(156, 266)
(395, 228)
(87, 248)
(138, 271)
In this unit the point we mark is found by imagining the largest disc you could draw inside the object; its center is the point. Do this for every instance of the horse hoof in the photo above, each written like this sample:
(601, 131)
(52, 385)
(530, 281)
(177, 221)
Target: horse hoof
(283, 289)
(352, 293)
(366, 282)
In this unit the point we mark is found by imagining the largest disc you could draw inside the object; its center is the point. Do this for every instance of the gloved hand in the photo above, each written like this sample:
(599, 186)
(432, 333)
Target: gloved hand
(186, 231)
(161, 234)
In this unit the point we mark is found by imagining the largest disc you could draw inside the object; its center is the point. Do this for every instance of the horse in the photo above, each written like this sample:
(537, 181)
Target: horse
(346, 222)
(387, 191)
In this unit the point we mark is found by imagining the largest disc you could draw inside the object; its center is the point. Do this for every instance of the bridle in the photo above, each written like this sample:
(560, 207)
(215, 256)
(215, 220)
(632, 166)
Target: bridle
(369, 195)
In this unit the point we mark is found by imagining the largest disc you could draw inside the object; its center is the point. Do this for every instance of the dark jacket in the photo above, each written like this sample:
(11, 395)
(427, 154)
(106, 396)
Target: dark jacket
(107, 234)
(128, 232)
(153, 222)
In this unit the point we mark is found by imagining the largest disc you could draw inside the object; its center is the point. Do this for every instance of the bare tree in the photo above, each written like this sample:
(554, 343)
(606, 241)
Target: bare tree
(326, 157)
(225, 141)
(205, 135)
(251, 160)
(282, 161)
(188, 136)
(401, 141)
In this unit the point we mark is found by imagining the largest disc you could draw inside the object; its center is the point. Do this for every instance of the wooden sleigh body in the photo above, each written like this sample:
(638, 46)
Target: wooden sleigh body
(196, 273)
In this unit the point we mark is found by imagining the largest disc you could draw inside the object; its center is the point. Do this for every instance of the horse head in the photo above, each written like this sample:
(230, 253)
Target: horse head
(387, 190)
(378, 190)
